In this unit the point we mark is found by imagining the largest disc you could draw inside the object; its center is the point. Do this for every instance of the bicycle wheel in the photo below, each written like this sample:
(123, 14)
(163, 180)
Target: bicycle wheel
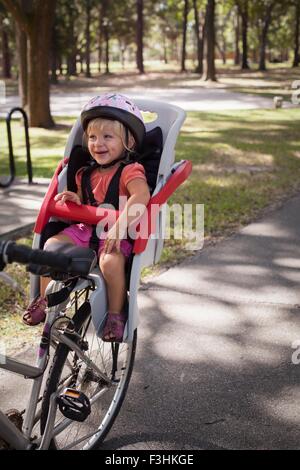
(67, 369)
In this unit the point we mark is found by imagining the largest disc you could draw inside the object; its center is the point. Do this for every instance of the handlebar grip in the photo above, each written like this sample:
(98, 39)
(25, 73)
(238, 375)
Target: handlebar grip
(25, 255)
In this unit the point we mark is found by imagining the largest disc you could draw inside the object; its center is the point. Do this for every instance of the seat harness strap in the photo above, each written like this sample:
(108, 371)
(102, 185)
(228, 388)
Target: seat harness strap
(111, 197)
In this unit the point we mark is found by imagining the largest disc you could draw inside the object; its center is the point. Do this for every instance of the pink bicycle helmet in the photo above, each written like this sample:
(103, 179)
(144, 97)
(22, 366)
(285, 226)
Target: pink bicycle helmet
(116, 107)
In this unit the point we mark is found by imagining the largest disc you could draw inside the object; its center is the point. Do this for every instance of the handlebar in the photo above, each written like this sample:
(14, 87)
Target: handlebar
(10, 252)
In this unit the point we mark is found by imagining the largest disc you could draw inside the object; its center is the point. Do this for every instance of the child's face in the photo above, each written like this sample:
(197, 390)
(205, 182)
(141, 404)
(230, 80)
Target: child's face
(104, 144)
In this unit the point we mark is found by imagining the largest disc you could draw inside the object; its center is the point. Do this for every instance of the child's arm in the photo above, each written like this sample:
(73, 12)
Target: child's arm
(69, 196)
(139, 196)
(66, 195)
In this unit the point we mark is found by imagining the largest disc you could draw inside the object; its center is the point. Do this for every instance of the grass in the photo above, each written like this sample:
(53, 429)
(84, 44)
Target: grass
(243, 162)
(47, 147)
(12, 305)
(277, 80)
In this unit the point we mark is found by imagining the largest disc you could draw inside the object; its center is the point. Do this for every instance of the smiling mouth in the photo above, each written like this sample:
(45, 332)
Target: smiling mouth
(102, 153)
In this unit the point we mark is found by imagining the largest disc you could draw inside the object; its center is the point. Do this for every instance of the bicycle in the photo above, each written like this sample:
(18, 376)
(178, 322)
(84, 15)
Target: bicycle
(88, 378)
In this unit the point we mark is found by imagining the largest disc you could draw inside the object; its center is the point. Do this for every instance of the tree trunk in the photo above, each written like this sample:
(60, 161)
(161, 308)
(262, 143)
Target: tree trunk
(36, 20)
(22, 62)
(264, 36)
(237, 54)
(38, 80)
(72, 40)
(139, 35)
(88, 39)
(210, 71)
(53, 57)
(296, 43)
(262, 50)
(174, 48)
(39, 44)
(105, 31)
(100, 36)
(183, 50)
(245, 16)
(6, 62)
(199, 39)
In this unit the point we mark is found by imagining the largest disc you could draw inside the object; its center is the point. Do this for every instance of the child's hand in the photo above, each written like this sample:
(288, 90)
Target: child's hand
(113, 239)
(67, 196)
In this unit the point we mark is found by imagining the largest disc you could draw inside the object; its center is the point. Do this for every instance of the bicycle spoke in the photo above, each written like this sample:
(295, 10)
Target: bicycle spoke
(101, 371)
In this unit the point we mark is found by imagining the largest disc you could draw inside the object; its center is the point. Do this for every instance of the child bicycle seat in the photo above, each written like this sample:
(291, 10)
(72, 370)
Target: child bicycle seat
(163, 177)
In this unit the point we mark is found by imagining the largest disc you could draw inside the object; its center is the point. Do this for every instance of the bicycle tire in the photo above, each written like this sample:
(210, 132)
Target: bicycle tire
(54, 381)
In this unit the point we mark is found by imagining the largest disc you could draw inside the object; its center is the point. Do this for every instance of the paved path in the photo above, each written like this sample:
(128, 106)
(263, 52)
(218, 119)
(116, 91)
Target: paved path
(214, 366)
(19, 205)
(199, 99)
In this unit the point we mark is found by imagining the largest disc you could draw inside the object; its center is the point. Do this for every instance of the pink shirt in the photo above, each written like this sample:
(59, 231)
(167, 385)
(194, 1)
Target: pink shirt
(100, 181)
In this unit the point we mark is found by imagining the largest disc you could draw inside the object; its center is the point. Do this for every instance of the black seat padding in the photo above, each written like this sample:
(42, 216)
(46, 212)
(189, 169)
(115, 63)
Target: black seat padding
(83, 259)
(80, 157)
(149, 157)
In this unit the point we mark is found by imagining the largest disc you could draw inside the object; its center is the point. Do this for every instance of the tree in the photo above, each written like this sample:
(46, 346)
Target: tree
(5, 32)
(71, 42)
(265, 10)
(210, 71)
(100, 35)
(222, 25)
(139, 35)
(124, 28)
(64, 42)
(243, 11)
(199, 31)
(36, 18)
(169, 13)
(184, 28)
(296, 36)
(88, 37)
(236, 26)
(106, 25)
(23, 68)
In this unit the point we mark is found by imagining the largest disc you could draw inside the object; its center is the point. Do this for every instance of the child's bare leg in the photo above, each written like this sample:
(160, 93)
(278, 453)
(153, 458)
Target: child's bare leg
(112, 266)
(35, 312)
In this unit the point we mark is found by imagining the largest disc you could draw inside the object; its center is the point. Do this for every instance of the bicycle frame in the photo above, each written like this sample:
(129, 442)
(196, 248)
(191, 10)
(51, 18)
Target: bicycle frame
(9, 432)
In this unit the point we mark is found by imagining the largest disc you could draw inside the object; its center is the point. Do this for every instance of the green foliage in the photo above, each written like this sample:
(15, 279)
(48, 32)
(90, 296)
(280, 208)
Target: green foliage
(163, 22)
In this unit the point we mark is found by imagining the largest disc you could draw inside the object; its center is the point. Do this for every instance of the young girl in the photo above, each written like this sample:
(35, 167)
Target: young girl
(113, 128)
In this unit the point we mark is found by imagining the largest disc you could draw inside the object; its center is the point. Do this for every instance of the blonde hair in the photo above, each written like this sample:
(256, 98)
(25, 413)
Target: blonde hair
(118, 128)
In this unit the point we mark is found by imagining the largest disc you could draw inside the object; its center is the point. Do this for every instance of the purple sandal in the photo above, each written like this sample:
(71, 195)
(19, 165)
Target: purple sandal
(35, 312)
(114, 327)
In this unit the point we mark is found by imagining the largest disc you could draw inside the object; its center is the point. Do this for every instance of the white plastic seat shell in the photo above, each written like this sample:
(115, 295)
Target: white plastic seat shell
(170, 119)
